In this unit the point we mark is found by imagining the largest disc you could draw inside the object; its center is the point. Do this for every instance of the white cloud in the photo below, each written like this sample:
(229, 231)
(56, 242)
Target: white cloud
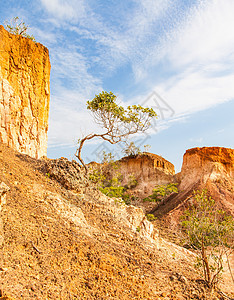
(195, 91)
(71, 69)
(200, 51)
(206, 36)
(65, 9)
(196, 140)
(43, 36)
(73, 86)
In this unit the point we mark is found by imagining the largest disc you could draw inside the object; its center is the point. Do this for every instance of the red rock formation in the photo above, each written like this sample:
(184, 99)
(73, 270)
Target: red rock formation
(24, 94)
(210, 168)
(198, 163)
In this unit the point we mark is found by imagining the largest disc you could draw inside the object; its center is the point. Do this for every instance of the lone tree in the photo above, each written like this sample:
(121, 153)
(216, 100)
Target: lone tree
(118, 123)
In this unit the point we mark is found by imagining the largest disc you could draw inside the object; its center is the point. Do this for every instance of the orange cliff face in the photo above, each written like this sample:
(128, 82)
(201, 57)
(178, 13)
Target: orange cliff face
(24, 94)
(201, 164)
(211, 168)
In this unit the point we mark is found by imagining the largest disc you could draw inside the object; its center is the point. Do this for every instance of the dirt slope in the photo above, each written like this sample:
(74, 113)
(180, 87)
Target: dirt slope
(75, 243)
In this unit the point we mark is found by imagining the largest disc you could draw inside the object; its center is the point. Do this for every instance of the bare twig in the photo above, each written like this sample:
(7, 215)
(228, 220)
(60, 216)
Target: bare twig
(35, 248)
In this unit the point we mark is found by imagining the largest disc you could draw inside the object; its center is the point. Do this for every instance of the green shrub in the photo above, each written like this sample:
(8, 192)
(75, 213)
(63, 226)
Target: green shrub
(18, 28)
(132, 182)
(161, 192)
(97, 176)
(210, 231)
(131, 149)
(151, 217)
(113, 191)
(112, 187)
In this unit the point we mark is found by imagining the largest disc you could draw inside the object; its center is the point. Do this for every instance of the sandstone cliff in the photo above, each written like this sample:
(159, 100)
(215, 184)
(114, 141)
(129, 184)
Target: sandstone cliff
(148, 169)
(210, 168)
(24, 94)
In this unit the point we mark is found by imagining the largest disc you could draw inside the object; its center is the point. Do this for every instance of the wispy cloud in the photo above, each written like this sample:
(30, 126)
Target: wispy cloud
(196, 140)
(206, 36)
(200, 52)
(65, 10)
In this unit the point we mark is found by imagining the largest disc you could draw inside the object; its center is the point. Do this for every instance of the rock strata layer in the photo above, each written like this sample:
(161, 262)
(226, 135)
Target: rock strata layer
(148, 170)
(210, 168)
(24, 94)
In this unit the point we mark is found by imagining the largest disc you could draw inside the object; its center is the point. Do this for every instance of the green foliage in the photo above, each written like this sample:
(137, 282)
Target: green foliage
(18, 28)
(131, 149)
(104, 106)
(97, 176)
(146, 147)
(210, 231)
(112, 186)
(113, 191)
(107, 158)
(205, 224)
(161, 192)
(151, 217)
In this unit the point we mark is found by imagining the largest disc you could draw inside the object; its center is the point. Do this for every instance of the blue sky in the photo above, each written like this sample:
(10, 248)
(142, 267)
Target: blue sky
(178, 53)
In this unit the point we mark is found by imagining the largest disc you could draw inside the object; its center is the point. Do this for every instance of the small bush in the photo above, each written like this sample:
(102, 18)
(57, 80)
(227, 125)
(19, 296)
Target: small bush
(131, 150)
(96, 176)
(132, 182)
(151, 217)
(210, 231)
(18, 28)
(113, 191)
(161, 192)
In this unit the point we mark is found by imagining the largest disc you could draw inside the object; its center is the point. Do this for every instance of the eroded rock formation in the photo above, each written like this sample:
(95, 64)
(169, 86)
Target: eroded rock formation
(24, 94)
(148, 169)
(60, 245)
(210, 168)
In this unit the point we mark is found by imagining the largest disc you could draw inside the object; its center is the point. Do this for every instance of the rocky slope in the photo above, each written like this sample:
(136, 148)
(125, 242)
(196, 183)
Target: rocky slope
(24, 94)
(63, 239)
